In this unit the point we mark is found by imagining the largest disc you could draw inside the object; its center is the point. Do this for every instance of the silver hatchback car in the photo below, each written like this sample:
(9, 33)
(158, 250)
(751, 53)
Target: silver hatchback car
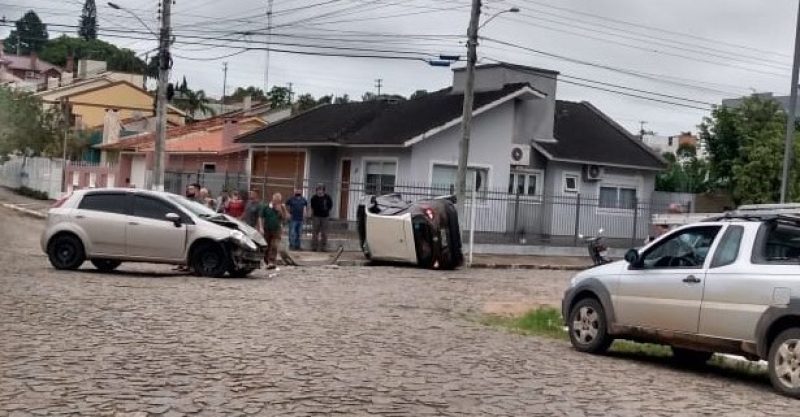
(111, 226)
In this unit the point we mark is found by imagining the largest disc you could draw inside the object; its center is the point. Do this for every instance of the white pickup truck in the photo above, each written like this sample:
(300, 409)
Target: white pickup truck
(727, 284)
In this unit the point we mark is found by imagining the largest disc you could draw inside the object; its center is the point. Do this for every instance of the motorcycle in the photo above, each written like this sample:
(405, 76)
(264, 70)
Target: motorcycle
(598, 251)
(424, 233)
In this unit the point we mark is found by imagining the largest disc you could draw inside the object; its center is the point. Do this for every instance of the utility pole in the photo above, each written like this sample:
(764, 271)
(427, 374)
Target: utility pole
(164, 64)
(144, 72)
(290, 93)
(18, 43)
(65, 121)
(378, 85)
(269, 44)
(641, 129)
(224, 84)
(788, 151)
(469, 90)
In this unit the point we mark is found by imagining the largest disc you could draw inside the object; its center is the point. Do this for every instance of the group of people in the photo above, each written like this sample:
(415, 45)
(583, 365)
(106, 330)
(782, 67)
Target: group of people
(269, 217)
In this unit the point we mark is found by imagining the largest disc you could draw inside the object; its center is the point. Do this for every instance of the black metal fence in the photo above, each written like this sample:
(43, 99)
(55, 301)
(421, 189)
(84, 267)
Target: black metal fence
(496, 216)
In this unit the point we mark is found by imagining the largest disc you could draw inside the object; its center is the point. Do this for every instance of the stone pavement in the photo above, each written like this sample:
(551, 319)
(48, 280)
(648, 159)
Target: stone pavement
(380, 341)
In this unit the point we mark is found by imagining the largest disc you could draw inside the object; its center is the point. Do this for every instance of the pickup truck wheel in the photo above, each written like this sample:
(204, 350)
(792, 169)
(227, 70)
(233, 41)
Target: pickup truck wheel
(105, 265)
(690, 357)
(784, 362)
(588, 330)
(66, 252)
(210, 260)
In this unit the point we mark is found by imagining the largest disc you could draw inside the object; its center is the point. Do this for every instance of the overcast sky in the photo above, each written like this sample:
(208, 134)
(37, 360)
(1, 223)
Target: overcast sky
(721, 48)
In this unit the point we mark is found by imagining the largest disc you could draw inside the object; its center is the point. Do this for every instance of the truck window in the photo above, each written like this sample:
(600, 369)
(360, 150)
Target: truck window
(778, 243)
(728, 249)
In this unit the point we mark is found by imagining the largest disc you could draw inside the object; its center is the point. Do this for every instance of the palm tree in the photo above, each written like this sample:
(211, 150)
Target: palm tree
(194, 102)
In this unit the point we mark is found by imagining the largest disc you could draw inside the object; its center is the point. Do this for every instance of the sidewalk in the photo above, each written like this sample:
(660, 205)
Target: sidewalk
(25, 205)
(479, 261)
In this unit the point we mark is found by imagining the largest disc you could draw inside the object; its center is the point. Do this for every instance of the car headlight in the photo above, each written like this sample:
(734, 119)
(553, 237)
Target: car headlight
(241, 239)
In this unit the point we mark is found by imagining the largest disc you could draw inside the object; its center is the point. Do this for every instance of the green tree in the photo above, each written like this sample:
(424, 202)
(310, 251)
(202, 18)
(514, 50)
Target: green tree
(29, 35)
(328, 99)
(194, 102)
(344, 99)
(256, 93)
(26, 127)
(304, 102)
(183, 87)
(685, 173)
(418, 94)
(746, 150)
(57, 51)
(369, 96)
(87, 28)
(278, 97)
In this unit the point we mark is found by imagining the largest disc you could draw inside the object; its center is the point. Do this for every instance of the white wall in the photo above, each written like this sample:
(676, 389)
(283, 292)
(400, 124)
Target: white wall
(41, 174)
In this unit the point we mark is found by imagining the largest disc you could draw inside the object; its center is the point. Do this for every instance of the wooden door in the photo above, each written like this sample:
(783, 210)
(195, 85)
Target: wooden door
(278, 171)
(344, 193)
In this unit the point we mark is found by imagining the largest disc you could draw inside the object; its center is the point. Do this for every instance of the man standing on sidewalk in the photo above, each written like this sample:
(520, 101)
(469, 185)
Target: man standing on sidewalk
(321, 205)
(272, 217)
(298, 206)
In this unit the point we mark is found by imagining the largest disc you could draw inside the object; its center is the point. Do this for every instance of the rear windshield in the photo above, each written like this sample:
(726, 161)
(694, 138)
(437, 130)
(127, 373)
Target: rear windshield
(779, 243)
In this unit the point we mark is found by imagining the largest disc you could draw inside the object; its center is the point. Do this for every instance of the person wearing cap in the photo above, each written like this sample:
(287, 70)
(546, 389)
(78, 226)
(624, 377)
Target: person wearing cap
(298, 206)
(321, 204)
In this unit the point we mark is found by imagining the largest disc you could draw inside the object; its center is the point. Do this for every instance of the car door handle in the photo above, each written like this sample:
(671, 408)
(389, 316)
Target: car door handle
(133, 223)
(691, 279)
(80, 216)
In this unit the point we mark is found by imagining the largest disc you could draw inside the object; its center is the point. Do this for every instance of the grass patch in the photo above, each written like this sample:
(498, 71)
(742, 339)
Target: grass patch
(547, 322)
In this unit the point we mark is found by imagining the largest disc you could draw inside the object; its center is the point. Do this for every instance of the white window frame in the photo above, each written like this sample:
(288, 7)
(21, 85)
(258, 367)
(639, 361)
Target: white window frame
(482, 200)
(383, 159)
(617, 211)
(527, 174)
(571, 174)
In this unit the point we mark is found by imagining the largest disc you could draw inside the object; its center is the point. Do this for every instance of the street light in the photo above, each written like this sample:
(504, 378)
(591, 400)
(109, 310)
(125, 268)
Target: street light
(118, 7)
(469, 93)
(511, 10)
(164, 65)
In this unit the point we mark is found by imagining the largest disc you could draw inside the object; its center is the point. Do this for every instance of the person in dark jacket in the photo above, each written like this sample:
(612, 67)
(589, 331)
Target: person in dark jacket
(321, 205)
(298, 206)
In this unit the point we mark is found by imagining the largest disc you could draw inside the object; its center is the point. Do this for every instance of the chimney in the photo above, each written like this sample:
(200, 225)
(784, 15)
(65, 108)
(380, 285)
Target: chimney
(70, 66)
(111, 126)
(230, 130)
(34, 58)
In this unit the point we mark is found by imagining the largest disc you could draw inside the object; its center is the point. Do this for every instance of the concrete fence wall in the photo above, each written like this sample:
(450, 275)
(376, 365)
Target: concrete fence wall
(40, 174)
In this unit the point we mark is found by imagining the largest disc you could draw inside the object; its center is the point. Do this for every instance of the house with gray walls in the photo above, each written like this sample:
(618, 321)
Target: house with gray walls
(537, 165)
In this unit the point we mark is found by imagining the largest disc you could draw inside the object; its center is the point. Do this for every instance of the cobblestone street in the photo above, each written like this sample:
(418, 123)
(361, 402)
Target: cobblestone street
(315, 341)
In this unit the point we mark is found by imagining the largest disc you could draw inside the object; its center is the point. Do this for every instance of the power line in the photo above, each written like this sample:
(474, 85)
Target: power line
(715, 41)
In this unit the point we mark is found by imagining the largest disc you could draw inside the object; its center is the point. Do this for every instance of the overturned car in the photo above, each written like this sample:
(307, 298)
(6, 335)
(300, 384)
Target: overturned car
(424, 232)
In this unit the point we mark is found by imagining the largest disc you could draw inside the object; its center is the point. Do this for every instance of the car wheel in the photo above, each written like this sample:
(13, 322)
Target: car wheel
(588, 330)
(690, 357)
(105, 265)
(66, 252)
(240, 273)
(784, 362)
(210, 261)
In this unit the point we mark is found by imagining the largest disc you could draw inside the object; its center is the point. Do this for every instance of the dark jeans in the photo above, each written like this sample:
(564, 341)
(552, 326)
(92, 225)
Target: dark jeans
(295, 230)
(319, 233)
(273, 242)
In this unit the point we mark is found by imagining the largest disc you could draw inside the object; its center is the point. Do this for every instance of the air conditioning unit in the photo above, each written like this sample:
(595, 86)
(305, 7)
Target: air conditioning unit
(594, 172)
(520, 155)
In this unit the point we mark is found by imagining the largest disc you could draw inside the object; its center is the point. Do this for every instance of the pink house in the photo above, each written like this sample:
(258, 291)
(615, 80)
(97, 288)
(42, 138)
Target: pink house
(206, 146)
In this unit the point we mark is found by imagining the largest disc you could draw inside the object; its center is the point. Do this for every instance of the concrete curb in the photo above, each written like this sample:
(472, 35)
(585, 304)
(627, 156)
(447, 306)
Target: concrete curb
(352, 263)
(26, 211)
(529, 266)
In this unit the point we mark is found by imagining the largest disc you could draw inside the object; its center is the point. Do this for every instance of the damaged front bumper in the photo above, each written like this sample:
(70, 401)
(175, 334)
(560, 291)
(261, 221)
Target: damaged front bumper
(247, 258)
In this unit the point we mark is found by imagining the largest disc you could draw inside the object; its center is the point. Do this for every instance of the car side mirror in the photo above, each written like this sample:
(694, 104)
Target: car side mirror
(632, 256)
(174, 218)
